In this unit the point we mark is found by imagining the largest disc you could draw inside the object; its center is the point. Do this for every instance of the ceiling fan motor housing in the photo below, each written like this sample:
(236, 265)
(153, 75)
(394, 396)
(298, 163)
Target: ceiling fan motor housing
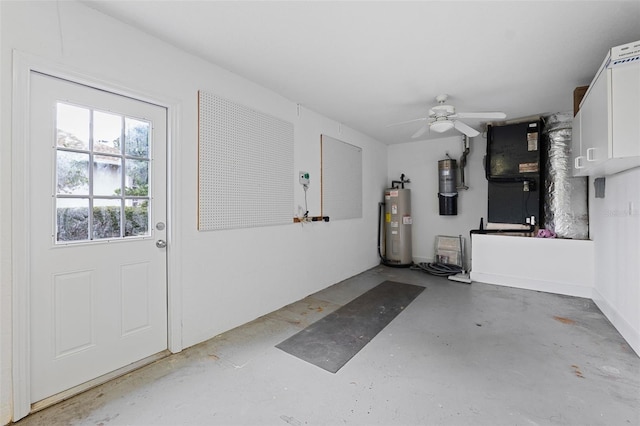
(442, 110)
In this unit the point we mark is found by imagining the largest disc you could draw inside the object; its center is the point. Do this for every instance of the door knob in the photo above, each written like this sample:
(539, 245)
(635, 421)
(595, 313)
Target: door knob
(161, 243)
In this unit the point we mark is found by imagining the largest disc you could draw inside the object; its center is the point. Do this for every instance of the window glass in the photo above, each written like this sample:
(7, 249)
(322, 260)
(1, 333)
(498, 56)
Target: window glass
(107, 132)
(137, 178)
(102, 188)
(107, 175)
(136, 137)
(72, 216)
(136, 217)
(106, 218)
(72, 125)
(72, 173)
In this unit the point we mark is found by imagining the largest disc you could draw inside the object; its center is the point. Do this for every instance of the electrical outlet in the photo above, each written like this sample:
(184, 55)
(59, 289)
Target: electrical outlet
(303, 178)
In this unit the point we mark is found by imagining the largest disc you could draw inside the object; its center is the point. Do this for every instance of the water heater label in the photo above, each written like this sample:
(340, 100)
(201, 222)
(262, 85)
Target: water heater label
(407, 220)
(394, 224)
(387, 217)
(394, 209)
(393, 193)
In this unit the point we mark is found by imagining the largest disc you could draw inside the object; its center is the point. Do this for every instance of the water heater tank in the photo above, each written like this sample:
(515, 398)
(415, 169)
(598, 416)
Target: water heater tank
(447, 192)
(398, 221)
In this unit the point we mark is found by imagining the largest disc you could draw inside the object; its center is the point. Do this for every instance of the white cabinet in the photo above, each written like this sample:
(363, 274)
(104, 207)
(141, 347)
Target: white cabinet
(606, 130)
(577, 159)
(625, 111)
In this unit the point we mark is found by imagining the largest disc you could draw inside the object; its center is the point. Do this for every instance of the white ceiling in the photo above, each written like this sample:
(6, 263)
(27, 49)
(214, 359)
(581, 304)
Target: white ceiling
(368, 64)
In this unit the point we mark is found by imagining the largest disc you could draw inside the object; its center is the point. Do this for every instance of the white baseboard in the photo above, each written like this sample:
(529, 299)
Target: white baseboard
(631, 335)
(533, 284)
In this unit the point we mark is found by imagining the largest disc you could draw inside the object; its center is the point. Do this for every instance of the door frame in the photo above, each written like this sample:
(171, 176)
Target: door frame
(23, 65)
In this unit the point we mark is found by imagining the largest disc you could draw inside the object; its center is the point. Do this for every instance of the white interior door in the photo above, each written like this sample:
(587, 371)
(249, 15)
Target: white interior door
(97, 191)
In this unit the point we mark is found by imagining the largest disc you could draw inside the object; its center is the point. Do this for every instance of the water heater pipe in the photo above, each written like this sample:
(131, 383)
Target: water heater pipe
(402, 181)
(463, 162)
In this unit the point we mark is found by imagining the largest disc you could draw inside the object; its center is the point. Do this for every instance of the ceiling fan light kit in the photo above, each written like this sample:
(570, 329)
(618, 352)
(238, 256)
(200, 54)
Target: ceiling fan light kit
(441, 126)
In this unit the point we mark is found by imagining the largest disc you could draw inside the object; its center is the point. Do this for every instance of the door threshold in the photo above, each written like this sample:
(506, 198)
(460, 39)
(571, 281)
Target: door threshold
(66, 394)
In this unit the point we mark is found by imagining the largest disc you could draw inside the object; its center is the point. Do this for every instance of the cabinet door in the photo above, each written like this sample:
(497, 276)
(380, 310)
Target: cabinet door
(595, 122)
(578, 160)
(625, 106)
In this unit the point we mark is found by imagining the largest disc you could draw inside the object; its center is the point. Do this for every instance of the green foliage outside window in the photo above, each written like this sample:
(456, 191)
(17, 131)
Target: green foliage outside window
(73, 222)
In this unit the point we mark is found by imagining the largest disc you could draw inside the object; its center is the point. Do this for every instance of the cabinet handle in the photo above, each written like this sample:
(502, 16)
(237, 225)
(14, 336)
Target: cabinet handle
(577, 163)
(591, 154)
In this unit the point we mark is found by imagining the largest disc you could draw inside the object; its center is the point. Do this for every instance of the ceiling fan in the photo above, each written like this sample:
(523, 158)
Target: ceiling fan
(443, 117)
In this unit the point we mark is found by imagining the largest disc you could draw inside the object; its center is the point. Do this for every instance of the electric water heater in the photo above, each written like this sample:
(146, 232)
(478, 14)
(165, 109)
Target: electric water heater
(397, 221)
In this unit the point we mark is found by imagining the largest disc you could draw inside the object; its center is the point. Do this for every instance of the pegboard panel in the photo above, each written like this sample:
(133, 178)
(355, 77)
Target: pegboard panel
(245, 166)
(341, 179)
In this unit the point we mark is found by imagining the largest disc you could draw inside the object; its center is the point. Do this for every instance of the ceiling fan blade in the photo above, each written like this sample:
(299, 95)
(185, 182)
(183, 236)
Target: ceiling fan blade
(469, 131)
(406, 122)
(421, 131)
(491, 115)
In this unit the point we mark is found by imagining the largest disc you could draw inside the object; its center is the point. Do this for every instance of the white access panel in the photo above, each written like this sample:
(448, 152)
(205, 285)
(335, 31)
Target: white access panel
(341, 179)
(245, 166)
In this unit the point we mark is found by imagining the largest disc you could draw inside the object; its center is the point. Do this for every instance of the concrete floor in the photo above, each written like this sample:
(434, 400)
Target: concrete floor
(459, 354)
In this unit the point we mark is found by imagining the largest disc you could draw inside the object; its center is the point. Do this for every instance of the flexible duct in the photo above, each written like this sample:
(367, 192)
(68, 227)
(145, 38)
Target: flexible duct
(565, 198)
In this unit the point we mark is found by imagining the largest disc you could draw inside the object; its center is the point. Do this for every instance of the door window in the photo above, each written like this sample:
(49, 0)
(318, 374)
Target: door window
(102, 175)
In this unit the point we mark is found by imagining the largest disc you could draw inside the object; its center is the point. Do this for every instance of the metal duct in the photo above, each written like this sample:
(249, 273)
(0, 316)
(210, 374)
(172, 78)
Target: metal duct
(565, 197)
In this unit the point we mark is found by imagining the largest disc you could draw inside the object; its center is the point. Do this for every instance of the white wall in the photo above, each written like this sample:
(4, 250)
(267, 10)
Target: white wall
(614, 226)
(419, 162)
(223, 278)
(553, 265)
(5, 254)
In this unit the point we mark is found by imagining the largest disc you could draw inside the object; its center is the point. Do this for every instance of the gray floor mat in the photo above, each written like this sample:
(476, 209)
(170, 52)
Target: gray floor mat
(333, 340)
